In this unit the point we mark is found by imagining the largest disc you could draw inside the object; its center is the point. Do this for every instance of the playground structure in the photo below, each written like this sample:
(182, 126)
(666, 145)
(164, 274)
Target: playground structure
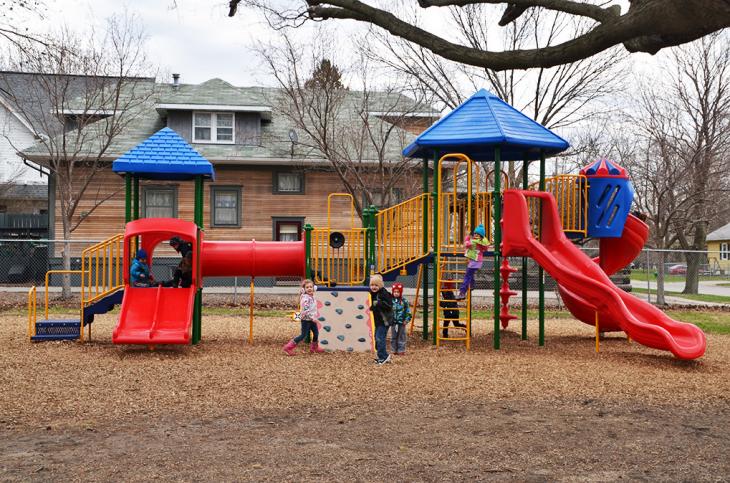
(421, 235)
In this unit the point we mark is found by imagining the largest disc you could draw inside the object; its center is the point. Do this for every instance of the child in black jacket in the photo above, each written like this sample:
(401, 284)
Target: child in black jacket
(382, 310)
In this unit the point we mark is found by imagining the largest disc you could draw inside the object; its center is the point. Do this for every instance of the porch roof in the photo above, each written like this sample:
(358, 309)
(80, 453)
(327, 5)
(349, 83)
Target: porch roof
(164, 156)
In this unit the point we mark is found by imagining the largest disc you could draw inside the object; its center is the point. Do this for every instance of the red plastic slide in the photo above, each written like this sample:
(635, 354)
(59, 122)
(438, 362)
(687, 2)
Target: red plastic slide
(155, 316)
(581, 276)
(616, 253)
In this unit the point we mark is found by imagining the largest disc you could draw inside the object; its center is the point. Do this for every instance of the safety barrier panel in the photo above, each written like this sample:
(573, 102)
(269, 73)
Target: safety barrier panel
(344, 265)
(400, 233)
(571, 194)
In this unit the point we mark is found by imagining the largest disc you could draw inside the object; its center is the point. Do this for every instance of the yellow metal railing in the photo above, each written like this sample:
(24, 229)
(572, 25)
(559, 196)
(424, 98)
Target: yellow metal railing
(571, 195)
(400, 233)
(102, 267)
(344, 265)
(32, 302)
(101, 274)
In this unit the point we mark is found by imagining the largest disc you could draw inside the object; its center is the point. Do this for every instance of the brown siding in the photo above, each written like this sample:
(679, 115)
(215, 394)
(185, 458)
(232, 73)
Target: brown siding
(259, 205)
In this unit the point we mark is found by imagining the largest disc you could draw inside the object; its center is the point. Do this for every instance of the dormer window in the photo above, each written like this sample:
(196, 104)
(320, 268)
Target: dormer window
(213, 127)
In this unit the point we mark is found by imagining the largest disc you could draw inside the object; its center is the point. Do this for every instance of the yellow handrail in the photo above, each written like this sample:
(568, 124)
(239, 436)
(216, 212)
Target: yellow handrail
(102, 267)
(352, 207)
(400, 235)
(62, 272)
(32, 317)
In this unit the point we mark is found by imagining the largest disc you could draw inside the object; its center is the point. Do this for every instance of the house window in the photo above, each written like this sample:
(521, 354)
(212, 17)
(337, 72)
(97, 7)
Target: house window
(225, 201)
(160, 202)
(213, 127)
(288, 229)
(290, 182)
(724, 251)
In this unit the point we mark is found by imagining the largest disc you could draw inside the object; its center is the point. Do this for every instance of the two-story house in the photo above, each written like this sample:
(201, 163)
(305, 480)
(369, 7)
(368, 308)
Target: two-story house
(267, 184)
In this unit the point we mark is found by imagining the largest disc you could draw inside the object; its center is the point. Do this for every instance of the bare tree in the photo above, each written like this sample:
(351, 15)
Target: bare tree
(647, 26)
(556, 97)
(701, 88)
(79, 94)
(360, 133)
(684, 125)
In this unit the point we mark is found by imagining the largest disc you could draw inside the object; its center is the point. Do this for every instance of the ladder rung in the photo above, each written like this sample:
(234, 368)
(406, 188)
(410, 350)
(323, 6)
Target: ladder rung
(452, 271)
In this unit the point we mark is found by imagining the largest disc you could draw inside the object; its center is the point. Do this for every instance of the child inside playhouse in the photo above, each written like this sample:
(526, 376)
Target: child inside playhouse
(139, 272)
(475, 244)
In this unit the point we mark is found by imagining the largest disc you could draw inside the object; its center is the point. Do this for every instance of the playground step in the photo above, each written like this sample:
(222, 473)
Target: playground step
(56, 329)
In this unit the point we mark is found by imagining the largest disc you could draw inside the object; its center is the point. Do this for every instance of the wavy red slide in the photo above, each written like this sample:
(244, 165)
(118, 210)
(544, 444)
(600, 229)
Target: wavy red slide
(581, 276)
(616, 253)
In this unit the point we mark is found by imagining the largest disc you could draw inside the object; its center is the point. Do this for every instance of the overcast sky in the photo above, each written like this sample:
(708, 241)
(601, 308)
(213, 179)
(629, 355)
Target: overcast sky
(196, 38)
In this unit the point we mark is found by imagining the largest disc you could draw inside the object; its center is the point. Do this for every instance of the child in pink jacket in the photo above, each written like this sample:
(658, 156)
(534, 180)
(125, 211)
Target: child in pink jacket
(308, 313)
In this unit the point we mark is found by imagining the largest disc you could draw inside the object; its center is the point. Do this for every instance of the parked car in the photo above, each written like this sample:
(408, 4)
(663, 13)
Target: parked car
(678, 270)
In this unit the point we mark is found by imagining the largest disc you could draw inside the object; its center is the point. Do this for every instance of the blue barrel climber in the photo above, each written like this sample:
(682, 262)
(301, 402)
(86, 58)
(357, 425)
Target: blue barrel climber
(610, 194)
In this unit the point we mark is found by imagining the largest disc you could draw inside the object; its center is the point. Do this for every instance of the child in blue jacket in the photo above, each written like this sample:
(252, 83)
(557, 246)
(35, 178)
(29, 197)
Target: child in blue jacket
(139, 273)
(401, 316)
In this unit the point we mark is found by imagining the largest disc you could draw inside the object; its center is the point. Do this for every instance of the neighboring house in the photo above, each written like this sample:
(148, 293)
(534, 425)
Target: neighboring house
(266, 187)
(15, 135)
(718, 249)
(30, 199)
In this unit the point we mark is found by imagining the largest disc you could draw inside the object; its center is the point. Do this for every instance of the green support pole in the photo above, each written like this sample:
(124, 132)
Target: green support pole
(366, 225)
(497, 206)
(308, 251)
(135, 205)
(371, 256)
(426, 248)
(197, 309)
(525, 167)
(127, 197)
(541, 272)
(436, 242)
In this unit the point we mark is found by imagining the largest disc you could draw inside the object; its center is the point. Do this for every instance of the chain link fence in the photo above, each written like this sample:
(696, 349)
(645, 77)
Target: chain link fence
(25, 262)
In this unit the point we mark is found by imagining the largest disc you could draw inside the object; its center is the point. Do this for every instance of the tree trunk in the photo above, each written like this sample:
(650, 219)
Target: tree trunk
(692, 279)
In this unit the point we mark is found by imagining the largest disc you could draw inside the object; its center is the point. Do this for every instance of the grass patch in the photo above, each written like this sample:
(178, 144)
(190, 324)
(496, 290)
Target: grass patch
(710, 322)
(721, 299)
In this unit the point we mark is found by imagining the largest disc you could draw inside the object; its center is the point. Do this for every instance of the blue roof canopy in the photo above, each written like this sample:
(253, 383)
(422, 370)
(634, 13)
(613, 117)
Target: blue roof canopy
(481, 123)
(164, 156)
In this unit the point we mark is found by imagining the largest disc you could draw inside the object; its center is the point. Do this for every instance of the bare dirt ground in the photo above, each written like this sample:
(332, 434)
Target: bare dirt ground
(224, 410)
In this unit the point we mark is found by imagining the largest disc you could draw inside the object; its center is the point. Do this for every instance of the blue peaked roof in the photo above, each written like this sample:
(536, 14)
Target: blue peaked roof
(481, 123)
(165, 156)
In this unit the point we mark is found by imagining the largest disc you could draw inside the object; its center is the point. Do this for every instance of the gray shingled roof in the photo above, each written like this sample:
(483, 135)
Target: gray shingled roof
(721, 234)
(275, 142)
(213, 91)
(24, 191)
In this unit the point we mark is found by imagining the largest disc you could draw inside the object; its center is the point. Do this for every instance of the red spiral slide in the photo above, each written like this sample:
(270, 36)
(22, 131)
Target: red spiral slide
(587, 283)
(162, 315)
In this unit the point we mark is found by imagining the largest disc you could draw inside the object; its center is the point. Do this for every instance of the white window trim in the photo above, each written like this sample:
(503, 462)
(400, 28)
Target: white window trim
(214, 128)
(724, 251)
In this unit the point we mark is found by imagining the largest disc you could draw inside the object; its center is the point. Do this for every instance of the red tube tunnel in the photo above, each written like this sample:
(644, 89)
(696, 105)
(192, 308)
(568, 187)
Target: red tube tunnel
(252, 258)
